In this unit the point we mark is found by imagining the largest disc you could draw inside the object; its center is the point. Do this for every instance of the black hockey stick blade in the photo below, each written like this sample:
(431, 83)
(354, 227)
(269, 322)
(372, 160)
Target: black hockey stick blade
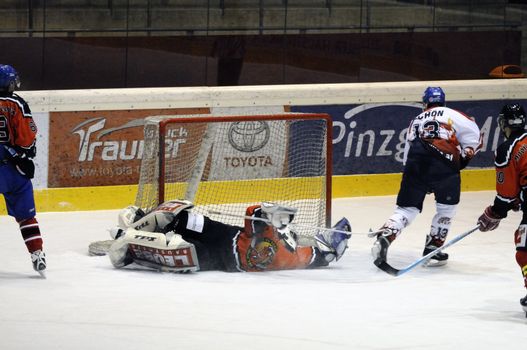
(382, 264)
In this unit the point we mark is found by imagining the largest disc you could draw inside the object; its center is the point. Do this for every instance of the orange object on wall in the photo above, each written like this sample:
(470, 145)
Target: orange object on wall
(507, 71)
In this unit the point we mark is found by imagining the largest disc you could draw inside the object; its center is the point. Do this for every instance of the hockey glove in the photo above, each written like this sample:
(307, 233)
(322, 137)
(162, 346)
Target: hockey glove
(21, 162)
(279, 216)
(516, 205)
(26, 167)
(466, 155)
(489, 220)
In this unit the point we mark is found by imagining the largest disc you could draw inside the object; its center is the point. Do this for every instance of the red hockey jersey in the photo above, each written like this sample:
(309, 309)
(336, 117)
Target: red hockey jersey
(17, 127)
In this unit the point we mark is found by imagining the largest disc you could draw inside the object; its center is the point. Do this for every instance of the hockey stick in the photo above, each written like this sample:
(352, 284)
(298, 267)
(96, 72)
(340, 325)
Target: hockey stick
(382, 264)
(292, 225)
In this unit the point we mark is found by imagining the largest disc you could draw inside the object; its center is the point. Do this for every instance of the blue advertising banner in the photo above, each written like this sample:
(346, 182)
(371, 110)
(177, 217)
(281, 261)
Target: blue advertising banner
(369, 138)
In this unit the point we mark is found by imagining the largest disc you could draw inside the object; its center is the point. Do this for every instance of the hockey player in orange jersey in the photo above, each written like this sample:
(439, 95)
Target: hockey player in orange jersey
(511, 182)
(174, 238)
(17, 147)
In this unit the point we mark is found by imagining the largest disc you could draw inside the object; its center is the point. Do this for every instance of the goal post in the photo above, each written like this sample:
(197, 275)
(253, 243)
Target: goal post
(225, 163)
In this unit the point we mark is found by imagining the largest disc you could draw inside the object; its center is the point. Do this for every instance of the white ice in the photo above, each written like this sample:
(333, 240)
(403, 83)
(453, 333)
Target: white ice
(471, 303)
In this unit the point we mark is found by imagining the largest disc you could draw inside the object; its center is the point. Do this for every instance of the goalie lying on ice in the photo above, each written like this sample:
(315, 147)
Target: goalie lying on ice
(174, 238)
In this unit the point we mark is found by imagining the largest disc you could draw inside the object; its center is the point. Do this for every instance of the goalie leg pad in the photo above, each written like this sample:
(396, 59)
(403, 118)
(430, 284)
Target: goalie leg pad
(178, 256)
(129, 215)
(165, 215)
(169, 253)
(154, 250)
(175, 206)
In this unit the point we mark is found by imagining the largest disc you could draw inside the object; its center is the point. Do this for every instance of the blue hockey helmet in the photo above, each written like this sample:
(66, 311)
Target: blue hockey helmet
(9, 79)
(434, 95)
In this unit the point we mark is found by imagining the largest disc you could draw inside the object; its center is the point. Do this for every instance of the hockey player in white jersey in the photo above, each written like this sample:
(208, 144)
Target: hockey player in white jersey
(440, 142)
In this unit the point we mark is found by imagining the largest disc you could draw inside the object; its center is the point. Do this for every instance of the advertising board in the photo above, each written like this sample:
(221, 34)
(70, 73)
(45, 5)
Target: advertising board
(99, 148)
(369, 138)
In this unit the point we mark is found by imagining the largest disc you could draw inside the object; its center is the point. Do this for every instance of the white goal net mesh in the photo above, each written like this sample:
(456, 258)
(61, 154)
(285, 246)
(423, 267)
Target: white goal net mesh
(224, 164)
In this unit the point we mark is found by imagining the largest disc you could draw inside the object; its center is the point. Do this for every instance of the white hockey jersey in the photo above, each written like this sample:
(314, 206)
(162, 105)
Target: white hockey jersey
(446, 131)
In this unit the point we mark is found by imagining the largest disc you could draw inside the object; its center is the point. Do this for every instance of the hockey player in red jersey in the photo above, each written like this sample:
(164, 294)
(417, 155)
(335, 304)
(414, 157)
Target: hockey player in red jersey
(439, 143)
(17, 147)
(511, 182)
(174, 238)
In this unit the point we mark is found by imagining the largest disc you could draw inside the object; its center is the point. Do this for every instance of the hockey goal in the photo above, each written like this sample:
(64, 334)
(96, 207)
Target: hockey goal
(225, 163)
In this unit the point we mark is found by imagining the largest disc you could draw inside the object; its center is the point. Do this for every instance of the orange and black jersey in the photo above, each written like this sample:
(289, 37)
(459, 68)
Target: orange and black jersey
(17, 127)
(259, 248)
(256, 246)
(511, 174)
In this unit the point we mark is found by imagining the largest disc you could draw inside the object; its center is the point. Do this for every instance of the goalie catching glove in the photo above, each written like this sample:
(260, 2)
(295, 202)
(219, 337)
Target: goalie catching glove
(279, 216)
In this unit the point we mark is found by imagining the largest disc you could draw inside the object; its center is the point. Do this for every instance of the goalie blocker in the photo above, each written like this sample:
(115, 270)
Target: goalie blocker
(174, 238)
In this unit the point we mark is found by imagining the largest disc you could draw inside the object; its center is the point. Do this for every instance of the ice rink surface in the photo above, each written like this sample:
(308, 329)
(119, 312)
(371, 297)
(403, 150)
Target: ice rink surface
(471, 303)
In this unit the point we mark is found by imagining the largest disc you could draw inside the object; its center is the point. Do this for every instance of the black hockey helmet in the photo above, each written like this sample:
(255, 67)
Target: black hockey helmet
(512, 116)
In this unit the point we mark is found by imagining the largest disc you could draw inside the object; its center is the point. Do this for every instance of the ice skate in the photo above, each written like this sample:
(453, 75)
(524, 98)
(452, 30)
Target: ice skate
(380, 247)
(523, 303)
(438, 259)
(385, 236)
(38, 258)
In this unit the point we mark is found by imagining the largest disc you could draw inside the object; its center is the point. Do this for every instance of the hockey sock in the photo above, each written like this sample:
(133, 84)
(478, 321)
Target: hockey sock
(440, 224)
(31, 234)
(401, 217)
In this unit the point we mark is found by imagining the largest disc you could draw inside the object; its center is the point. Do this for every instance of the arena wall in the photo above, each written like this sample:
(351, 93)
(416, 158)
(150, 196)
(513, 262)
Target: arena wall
(88, 139)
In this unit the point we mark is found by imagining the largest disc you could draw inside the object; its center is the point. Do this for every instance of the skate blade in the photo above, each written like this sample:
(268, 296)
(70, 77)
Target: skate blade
(376, 251)
(434, 263)
(42, 274)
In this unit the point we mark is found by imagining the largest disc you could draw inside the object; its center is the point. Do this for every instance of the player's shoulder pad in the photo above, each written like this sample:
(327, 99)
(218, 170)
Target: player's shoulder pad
(505, 151)
(23, 105)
